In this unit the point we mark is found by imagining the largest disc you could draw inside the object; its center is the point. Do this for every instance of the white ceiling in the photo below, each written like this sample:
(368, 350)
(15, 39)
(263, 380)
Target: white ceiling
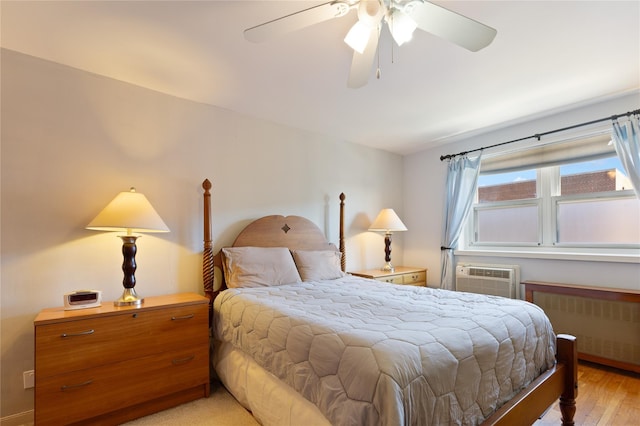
(548, 55)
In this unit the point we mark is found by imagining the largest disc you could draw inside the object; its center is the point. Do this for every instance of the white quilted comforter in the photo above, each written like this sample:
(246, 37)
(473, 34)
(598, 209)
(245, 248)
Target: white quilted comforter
(367, 352)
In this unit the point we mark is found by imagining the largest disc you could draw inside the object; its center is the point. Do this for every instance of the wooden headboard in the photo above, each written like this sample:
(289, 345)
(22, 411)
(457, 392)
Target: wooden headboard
(293, 232)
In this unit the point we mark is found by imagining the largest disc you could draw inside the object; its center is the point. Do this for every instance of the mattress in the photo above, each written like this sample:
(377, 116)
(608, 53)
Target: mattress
(366, 352)
(271, 401)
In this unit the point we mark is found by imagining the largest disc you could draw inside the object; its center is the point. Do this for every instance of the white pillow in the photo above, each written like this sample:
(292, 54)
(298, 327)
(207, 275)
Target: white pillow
(258, 267)
(316, 265)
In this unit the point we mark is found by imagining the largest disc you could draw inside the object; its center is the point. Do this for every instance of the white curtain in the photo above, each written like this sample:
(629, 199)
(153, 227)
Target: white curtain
(462, 182)
(625, 140)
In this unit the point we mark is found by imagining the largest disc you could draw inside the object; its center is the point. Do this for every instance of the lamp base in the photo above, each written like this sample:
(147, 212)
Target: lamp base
(129, 298)
(388, 267)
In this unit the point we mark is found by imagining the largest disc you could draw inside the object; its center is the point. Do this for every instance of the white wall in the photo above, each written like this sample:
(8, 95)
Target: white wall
(72, 140)
(424, 184)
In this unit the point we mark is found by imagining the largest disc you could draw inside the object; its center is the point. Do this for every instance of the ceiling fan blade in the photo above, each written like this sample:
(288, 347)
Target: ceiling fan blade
(296, 21)
(449, 25)
(362, 62)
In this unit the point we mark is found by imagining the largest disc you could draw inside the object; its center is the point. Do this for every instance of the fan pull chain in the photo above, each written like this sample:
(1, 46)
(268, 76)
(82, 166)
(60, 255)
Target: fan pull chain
(391, 25)
(378, 70)
(393, 51)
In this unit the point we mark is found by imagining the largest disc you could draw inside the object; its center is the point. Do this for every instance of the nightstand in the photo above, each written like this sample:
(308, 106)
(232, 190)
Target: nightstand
(109, 364)
(401, 275)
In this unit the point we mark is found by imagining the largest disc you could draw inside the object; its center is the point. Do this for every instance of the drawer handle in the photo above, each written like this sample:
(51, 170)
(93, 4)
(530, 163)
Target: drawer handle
(82, 333)
(184, 317)
(79, 385)
(181, 361)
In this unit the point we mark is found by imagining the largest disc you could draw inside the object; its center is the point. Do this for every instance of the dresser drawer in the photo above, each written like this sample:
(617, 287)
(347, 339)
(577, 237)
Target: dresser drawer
(82, 394)
(394, 279)
(415, 278)
(85, 343)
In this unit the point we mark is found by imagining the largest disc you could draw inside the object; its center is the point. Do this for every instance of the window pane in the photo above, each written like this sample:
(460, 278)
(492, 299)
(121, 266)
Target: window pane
(614, 221)
(507, 186)
(508, 225)
(582, 200)
(593, 176)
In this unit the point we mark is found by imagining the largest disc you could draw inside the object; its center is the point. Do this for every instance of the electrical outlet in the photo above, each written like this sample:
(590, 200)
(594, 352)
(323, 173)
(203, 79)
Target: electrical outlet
(28, 379)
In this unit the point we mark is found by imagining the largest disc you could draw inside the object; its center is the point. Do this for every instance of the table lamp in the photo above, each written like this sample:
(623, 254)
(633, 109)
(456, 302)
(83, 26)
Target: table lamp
(129, 212)
(387, 222)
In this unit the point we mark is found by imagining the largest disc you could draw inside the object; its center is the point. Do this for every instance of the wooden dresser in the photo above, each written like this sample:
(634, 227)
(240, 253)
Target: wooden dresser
(401, 275)
(110, 364)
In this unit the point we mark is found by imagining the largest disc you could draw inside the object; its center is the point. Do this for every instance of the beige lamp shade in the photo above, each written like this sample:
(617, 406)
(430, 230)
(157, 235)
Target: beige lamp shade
(130, 212)
(387, 221)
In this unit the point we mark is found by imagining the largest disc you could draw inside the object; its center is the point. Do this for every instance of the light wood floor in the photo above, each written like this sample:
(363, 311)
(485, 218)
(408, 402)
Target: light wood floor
(606, 396)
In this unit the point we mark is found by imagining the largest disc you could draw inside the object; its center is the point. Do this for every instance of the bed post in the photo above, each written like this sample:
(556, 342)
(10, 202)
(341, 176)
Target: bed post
(343, 254)
(568, 355)
(207, 254)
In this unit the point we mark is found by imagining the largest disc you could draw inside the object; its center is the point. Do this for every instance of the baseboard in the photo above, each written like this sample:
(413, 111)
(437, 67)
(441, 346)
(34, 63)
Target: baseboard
(20, 419)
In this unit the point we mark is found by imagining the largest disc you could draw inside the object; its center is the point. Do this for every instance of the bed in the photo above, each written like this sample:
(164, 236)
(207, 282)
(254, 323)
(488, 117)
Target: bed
(297, 340)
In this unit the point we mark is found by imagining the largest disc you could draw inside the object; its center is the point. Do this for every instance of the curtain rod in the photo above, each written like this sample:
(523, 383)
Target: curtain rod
(539, 135)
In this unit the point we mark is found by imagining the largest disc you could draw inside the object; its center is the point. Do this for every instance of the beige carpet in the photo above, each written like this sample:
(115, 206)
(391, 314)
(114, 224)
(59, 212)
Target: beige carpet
(220, 409)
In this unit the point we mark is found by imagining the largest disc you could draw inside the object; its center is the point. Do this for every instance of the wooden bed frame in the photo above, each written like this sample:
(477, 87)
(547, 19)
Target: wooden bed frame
(561, 381)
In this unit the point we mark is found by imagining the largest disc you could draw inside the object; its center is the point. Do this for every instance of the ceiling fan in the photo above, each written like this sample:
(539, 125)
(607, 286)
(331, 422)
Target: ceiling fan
(401, 16)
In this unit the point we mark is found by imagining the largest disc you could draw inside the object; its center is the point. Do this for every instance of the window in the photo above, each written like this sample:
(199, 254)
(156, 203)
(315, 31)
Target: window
(568, 195)
(507, 209)
(596, 205)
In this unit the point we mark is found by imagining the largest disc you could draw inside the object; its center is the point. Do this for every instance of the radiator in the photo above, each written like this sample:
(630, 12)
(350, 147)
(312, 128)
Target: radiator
(496, 280)
(606, 322)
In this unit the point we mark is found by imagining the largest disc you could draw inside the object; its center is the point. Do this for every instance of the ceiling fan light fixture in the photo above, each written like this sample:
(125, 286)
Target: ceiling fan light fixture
(370, 13)
(358, 37)
(401, 16)
(401, 26)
